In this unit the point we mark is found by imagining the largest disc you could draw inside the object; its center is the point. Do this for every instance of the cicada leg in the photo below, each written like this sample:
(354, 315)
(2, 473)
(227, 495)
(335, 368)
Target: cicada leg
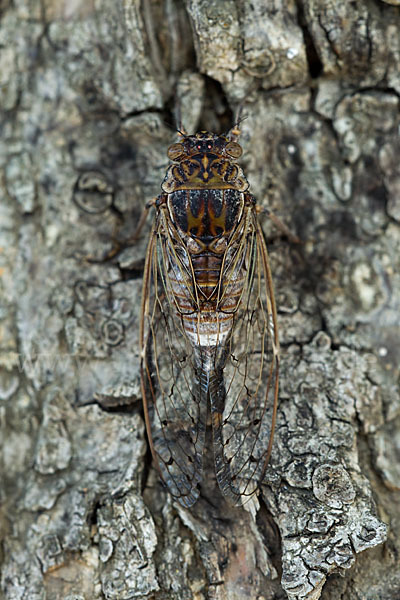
(119, 245)
(132, 240)
(279, 224)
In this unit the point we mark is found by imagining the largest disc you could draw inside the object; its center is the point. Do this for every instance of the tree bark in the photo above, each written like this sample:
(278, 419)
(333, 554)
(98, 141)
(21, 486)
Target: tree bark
(89, 92)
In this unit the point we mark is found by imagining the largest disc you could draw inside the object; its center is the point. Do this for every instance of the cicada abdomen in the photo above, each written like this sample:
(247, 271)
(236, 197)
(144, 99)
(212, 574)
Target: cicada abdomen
(209, 336)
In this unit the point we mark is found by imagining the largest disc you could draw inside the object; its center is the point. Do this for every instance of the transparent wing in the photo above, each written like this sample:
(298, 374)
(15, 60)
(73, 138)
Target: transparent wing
(175, 405)
(244, 400)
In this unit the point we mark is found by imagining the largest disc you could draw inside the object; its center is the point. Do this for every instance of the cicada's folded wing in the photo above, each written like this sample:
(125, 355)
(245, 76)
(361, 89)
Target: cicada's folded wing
(174, 407)
(243, 405)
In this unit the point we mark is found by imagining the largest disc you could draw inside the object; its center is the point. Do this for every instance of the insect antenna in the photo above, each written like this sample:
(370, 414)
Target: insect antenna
(178, 120)
(234, 133)
(182, 133)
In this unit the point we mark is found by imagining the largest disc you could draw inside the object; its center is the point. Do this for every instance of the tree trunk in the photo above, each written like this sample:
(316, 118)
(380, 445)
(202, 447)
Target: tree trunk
(89, 93)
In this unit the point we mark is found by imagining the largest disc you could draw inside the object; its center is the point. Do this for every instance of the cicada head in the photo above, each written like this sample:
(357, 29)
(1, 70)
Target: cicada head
(204, 161)
(204, 143)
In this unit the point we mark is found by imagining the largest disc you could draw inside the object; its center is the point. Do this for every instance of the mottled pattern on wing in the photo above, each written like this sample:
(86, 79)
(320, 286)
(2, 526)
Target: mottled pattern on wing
(243, 403)
(174, 399)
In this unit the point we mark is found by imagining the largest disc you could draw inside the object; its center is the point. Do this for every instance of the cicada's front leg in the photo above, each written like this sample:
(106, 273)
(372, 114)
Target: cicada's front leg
(261, 210)
(119, 245)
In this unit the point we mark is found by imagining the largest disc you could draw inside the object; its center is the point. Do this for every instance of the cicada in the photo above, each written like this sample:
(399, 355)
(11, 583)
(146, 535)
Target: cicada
(209, 336)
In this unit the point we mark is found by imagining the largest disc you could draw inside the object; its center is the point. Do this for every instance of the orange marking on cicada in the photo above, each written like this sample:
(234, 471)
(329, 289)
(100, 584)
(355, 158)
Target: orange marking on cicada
(196, 224)
(218, 222)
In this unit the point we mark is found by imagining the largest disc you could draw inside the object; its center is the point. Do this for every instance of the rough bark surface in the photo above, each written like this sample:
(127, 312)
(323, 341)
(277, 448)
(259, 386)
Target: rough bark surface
(87, 93)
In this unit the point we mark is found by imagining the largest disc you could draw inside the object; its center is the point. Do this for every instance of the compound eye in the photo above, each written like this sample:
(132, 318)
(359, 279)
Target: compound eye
(233, 149)
(209, 146)
(175, 151)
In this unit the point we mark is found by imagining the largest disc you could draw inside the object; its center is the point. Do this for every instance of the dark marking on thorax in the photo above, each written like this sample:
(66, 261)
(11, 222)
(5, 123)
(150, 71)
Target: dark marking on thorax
(205, 214)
